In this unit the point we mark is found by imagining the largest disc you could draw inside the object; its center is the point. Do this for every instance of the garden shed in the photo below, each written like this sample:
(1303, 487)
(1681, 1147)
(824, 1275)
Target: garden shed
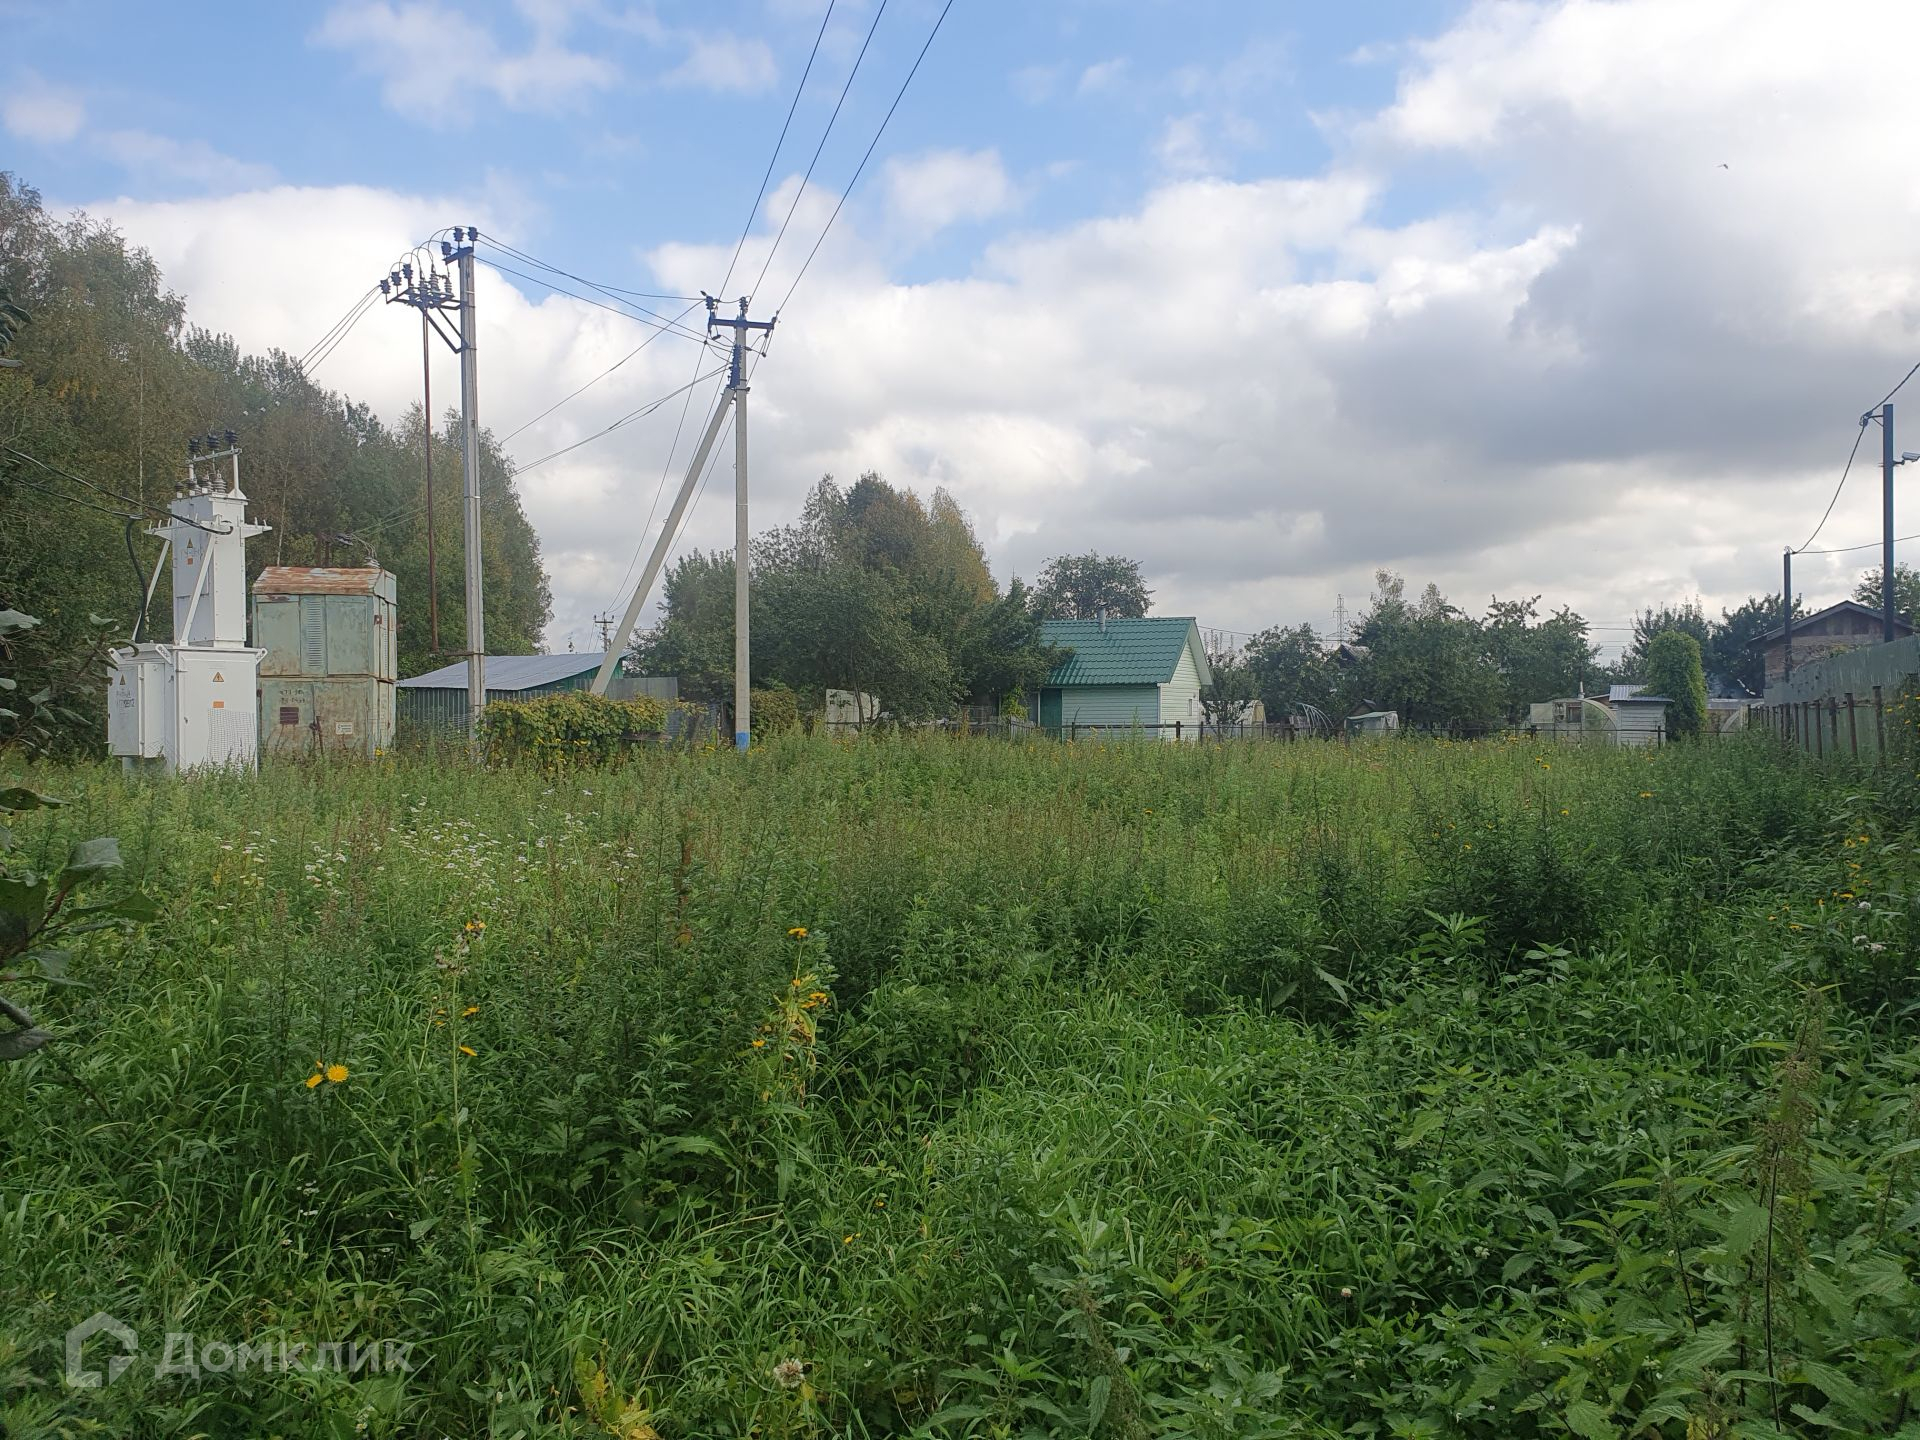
(1637, 719)
(1123, 673)
(438, 699)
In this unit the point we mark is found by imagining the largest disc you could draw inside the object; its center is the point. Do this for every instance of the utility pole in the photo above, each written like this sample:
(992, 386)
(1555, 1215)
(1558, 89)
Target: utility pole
(1887, 463)
(426, 454)
(434, 295)
(734, 397)
(1786, 604)
(605, 622)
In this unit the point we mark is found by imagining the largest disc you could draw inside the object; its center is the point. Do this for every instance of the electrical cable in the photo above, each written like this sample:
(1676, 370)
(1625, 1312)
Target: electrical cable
(866, 157)
(598, 378)
(644, 317)
(1844, 472)
(1849, 549)
(773, 159)
(590, 284)
(1896, 389)
(75, 500)
(631, 416)
(660, 488)
(151, 511)
(798, 194)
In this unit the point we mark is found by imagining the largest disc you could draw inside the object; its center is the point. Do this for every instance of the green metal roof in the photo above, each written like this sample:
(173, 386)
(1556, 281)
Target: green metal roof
(1123, 652)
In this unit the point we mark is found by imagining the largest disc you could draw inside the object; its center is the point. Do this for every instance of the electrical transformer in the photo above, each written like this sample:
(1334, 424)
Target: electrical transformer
(195, 703)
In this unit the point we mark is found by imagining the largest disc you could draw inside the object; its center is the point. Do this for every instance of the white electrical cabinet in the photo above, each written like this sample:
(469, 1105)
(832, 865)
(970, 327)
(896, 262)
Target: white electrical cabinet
(195, 703)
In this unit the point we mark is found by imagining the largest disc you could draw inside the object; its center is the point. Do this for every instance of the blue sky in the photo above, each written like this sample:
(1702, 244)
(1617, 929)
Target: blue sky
(1569, 297)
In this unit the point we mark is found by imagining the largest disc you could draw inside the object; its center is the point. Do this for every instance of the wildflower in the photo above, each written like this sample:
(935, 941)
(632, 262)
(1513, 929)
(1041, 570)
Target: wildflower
(798, 932)
(1646, 794)
(1565, 811)
(1467, 846)
(468, 1050)
(314, 1079)
(336, 1074)
(470, 1010)
(788, 1374)
(759, 1044)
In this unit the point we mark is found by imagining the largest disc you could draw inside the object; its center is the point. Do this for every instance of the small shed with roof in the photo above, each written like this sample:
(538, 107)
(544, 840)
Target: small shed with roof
(438, 699)
(330, 657)
(1123, 674)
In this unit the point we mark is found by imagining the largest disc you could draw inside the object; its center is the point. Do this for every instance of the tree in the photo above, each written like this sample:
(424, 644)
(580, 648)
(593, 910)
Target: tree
(1906, 591)
(1730, 651)
(112, 375)
(1535, 659)
(1083, 587)
(1650, 623)
(1672, 668)
(1289, 670)
(694, 639)
(1225, 698)
(1426, 661)
(1001, 654)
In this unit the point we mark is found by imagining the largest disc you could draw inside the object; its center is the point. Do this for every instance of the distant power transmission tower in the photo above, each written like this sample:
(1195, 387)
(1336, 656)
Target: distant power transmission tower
(734, 397)
(433, 294)
(605, 622)
(1340, 618)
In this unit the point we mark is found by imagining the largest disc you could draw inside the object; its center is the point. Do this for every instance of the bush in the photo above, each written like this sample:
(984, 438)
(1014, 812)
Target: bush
(775, 710)
(1673, 670)
(567, 731)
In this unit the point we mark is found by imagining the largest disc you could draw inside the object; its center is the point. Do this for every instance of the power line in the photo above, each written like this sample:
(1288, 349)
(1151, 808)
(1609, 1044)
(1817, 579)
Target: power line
(773, 159)
(660, 488)
(601, 376)
(74, 500)
(647, 409)
(1844, 472)
(1849, 549)
(644, 315)
(866, 157)
(149, 510)
(795, 205)
(602, 287)
(1896, 389)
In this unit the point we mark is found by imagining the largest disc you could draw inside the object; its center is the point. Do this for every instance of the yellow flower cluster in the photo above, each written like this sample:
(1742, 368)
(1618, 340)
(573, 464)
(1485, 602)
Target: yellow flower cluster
(333, 1074)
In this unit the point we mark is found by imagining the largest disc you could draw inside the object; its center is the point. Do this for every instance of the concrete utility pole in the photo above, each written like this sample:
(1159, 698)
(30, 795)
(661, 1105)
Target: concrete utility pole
(737, 387)
(432, 294)
(470, 464)
(734, 397)
(1786, 604)
(426, 453)
(1887, 462)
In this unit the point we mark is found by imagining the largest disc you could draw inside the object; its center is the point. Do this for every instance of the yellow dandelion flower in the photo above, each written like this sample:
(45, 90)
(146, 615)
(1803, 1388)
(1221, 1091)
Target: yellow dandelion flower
(470, 1010)
(314, 1079)
(798, 932)
(337, 1073)
(468, 1050)
(1646, 794)
(1565, 811)
(759, 1044)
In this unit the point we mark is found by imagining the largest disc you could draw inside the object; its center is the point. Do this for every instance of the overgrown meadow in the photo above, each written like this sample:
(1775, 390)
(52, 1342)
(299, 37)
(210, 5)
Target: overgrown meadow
(974, 1089)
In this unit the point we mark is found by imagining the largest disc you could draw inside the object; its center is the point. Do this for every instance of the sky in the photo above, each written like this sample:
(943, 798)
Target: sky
(1580, 298)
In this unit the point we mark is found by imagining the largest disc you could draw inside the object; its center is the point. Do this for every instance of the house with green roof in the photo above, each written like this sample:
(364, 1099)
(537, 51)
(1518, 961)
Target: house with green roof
(1124, 672)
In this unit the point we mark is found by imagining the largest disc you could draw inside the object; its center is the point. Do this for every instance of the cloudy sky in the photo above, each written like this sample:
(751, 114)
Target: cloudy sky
(1568, 298)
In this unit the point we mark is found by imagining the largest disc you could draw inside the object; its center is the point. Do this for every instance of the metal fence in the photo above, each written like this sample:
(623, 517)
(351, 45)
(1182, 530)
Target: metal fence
(1841, 706)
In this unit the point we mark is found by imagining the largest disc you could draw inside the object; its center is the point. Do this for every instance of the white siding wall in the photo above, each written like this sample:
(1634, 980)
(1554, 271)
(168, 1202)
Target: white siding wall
(1638, 724)
(1180, 698)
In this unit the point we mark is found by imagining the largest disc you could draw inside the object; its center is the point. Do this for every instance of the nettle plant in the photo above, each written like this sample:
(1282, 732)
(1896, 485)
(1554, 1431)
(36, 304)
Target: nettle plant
(42, 911)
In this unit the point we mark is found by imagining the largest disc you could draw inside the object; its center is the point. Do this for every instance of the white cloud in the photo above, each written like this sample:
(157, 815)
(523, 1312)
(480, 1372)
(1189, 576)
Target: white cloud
(727, 64)
(1619, 375)
(193, 162)
(36, 110)
(926, 193)
(1102, 76)
(1037, 84)
(434, 63)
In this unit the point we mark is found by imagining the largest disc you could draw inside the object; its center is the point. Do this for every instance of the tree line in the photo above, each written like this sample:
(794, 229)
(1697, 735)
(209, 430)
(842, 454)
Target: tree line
(112, 379)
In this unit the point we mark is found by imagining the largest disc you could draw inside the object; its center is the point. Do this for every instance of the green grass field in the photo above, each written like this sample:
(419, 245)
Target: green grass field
(965, 1089)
